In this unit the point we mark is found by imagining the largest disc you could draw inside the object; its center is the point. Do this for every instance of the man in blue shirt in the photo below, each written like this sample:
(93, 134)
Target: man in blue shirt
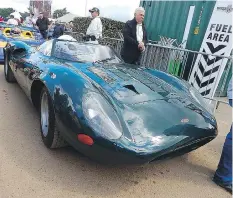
(58, 30)
(223, 175)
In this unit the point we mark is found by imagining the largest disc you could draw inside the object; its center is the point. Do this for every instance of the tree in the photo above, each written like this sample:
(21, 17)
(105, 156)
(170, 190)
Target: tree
(59, 13)
(24, 14)
(5, 12)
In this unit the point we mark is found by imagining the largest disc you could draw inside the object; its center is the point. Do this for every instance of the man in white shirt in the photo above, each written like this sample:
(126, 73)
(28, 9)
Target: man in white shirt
(135, 38)
(94, 31)
(12, 21)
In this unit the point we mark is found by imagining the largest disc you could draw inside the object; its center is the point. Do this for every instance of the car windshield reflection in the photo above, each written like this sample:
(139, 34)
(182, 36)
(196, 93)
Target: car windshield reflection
(84, 52)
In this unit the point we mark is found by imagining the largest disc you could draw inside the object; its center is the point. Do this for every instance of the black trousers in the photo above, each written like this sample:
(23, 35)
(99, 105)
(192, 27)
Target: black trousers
(44, 33)
(135, 61)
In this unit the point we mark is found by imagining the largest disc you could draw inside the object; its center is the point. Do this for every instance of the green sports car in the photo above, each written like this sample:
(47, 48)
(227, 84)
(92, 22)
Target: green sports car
(110, 111)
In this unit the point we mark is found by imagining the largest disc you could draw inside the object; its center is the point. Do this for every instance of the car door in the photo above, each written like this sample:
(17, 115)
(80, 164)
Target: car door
(34, 64)
(25, 66)
(17, 63)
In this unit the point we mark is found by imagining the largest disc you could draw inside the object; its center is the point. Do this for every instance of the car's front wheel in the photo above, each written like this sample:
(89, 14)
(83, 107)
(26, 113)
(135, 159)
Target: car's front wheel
(9, 75)
(50, 135)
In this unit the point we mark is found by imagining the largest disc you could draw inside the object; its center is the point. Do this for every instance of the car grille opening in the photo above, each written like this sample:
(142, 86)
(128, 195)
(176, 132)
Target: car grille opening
(184, 148)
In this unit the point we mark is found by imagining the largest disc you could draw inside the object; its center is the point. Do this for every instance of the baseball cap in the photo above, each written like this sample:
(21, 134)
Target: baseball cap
(95, 10)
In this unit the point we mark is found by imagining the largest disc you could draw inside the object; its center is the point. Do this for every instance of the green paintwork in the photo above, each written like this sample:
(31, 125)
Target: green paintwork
(168, 18)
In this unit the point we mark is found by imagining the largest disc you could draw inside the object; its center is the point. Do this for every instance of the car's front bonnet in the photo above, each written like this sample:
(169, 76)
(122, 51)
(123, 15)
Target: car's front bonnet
(131, 86)
(142, 91)
(162, 123)
(156, 114)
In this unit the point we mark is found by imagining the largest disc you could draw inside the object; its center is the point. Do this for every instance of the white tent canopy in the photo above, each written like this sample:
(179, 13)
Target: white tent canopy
(67, 18)
(16, 15)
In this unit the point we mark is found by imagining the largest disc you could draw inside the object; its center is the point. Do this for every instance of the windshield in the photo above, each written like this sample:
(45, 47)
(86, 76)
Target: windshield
(84, 52)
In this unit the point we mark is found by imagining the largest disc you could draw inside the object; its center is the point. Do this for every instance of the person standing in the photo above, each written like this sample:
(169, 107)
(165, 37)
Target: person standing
(34, 19)
(71, 26)
(1, 19)
(29, 20)
(43, 24)
(223, 174)
(135, 38)
(51, 29)
(94, 31)
(21, 20)
(12, 21)
(58, 30)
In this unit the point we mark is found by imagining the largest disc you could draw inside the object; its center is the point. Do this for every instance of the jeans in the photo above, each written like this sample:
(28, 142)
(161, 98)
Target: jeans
(224, 171)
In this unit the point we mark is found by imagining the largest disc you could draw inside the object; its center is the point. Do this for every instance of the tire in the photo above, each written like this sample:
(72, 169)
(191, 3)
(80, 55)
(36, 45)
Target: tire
(50, 135)
(9, 75)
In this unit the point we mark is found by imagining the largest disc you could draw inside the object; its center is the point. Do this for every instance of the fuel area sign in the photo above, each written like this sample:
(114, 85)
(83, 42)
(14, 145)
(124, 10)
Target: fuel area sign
(208, 69)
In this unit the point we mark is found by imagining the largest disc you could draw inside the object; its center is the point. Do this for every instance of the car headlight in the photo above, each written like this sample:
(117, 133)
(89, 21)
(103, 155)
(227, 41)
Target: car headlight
(198, 97)
(101, 116)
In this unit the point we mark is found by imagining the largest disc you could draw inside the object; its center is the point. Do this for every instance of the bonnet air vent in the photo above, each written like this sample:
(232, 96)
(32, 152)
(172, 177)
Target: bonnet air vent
(131, 87)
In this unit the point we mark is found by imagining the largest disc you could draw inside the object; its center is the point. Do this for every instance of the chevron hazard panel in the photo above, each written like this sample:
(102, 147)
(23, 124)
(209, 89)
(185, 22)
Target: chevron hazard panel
(208, 69)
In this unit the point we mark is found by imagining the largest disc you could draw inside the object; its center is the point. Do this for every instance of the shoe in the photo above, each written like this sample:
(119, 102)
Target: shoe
(227, 187)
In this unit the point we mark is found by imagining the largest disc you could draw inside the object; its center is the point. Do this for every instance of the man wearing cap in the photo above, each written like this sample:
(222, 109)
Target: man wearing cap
(94, 31)
(43, 25)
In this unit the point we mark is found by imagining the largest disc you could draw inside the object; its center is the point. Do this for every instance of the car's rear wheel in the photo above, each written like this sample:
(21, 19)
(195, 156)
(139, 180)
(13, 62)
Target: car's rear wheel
(9, 75)
(50, 135)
